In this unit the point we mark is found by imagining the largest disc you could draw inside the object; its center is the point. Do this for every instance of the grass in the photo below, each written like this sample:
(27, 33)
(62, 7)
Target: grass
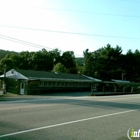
(9, 95)
(12, 97)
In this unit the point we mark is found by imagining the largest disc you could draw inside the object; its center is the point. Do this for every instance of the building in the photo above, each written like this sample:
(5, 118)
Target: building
(36, 82)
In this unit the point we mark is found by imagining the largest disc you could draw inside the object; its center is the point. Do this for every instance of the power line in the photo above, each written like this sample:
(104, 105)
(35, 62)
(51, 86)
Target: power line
(131, 0)
(75, 33)
(28, 43)
(88, 12)
(23, 42)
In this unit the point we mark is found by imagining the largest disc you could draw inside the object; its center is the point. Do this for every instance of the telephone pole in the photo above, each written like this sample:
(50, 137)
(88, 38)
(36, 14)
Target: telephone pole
(122, 75)
(4, 82)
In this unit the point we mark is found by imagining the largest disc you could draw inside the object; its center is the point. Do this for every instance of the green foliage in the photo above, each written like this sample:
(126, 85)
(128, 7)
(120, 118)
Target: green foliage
(79, 61)
(59, 68)
(72, 70)
(3, 53)
(89, 62)
(109, 63)
(106, 63)
(41, 60)
(102, 63)
(5, 59)
(56, 56)
(68, 60)
(79, 64)
(132, 65)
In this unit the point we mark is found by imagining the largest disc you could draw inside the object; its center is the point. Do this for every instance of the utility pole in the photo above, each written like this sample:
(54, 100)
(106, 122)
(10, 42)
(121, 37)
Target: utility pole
(4, 83)
(122, 75)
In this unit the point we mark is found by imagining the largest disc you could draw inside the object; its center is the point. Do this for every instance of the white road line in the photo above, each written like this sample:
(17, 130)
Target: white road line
(66, 123)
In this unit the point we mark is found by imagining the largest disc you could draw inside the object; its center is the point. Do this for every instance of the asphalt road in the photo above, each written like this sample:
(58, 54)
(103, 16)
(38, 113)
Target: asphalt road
(70, 118)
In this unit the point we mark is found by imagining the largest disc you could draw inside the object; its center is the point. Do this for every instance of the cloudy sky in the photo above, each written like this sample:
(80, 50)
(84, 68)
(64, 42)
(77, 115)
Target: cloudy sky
(74, 25)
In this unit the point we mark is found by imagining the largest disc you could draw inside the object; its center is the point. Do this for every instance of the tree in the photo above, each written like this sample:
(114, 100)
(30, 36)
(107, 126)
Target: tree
(79, 64)
(68, 60)
(25, 60)
(132, 65)
(102, 63)
(59, 68)
(56, 56)
(10, 60)
(88, 63)
(3, 53)
(136, 73)
(42, 60)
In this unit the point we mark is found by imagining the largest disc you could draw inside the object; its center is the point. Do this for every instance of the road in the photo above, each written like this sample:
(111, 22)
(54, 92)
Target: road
(70, 118)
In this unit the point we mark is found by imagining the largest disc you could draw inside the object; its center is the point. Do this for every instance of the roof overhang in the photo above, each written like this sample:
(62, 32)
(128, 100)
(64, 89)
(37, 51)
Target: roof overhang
(93, 79)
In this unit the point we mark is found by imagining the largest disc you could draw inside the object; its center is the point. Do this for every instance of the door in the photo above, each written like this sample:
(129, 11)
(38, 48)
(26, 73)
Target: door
(22, 88)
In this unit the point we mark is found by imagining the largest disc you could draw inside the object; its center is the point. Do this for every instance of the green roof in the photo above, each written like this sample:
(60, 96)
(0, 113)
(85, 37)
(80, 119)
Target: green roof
(43, 74)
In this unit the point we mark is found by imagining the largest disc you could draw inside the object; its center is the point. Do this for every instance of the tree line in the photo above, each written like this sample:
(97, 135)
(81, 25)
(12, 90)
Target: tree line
(42, 60)
(109, 63)
(106, 63)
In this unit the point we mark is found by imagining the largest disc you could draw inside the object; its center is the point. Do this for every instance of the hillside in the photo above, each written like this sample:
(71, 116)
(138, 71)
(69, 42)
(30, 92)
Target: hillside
(79, 61)
(3, 53)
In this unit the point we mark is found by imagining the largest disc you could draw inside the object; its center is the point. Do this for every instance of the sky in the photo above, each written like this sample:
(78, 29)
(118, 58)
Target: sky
(69, 25)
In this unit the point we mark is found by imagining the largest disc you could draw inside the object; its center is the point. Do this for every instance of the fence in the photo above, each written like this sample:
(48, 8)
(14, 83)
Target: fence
(115, 88)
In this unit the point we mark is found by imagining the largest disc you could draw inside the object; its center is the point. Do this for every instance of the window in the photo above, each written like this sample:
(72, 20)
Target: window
(12, 72)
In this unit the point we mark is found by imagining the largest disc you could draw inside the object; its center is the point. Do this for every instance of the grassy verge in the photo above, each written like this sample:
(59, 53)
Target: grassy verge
(9, 95)
(12, 97)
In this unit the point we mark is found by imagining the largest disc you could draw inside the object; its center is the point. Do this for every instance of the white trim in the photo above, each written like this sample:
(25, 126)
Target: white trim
(61, 79)
(91, 78)
(14, 74)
